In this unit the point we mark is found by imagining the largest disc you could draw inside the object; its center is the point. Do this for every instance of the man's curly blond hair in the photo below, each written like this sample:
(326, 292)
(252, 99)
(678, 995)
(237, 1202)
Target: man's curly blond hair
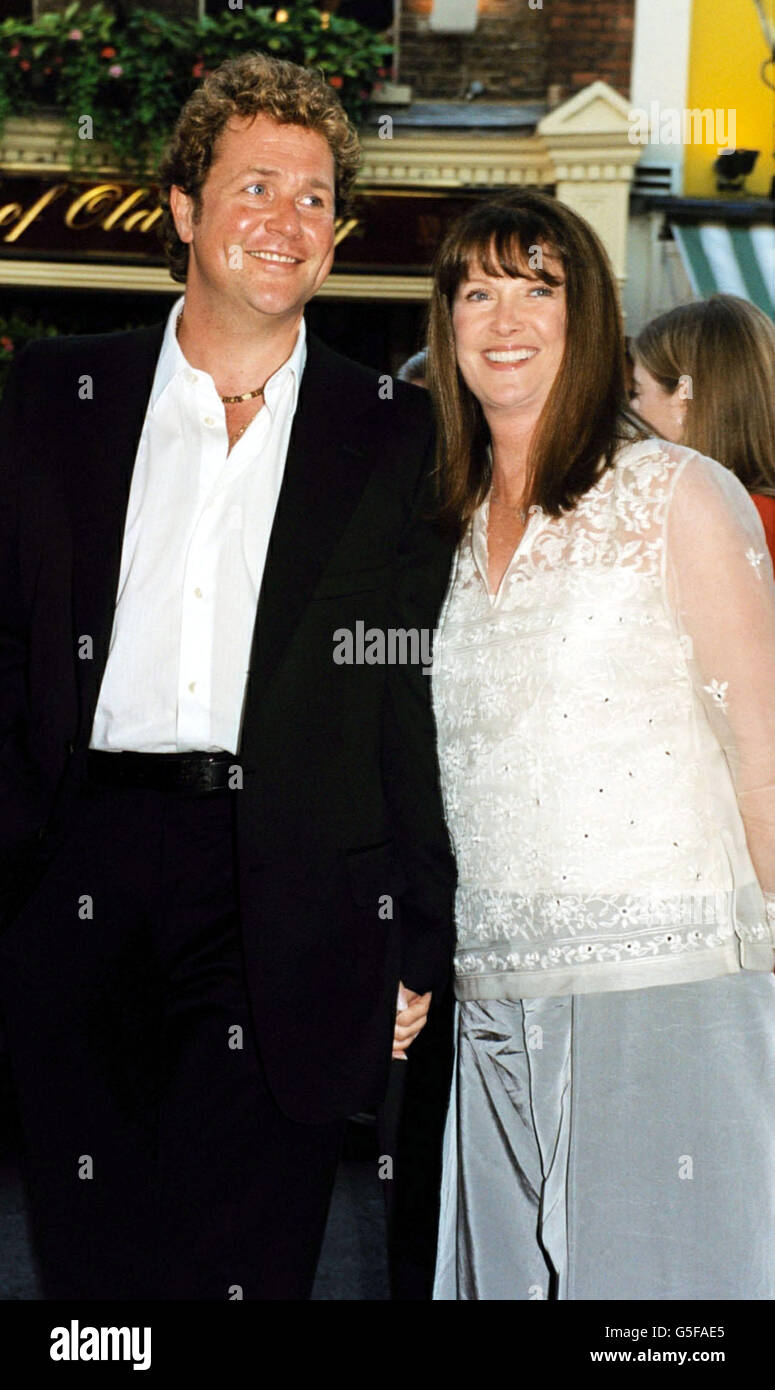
(251, 85)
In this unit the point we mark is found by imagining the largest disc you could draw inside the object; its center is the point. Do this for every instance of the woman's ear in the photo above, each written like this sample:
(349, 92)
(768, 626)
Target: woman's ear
(683, 393)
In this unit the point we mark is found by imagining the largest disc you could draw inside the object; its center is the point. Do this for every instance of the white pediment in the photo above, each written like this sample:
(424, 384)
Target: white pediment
(596, 109)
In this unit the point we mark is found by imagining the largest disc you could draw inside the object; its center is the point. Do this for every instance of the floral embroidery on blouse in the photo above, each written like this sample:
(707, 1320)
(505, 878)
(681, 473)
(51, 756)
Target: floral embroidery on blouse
(718, 692)
(594, 824)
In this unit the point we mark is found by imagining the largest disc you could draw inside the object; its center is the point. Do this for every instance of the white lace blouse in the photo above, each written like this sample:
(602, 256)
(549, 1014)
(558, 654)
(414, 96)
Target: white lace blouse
(606, 726)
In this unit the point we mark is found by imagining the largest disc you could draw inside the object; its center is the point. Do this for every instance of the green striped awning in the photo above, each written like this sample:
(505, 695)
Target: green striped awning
(723, 259)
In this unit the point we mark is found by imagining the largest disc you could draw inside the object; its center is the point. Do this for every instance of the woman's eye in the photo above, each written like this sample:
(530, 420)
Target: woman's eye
(477, 294)
(541, 290)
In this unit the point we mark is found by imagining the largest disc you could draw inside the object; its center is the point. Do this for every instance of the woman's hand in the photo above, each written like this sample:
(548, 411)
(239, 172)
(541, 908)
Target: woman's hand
(411, 1017)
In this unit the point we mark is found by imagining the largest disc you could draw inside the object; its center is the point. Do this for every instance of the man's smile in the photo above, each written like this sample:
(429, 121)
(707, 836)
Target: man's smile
(275, 257)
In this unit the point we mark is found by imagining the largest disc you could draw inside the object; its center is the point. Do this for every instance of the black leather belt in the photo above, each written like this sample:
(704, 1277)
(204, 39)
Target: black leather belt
(191, 773)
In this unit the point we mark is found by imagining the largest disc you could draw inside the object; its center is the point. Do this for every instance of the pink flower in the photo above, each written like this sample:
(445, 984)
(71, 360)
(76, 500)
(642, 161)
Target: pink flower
(16, 50)
(115, 70)
(6, 344)
(76, 35)
(25, 65)
(198, 69)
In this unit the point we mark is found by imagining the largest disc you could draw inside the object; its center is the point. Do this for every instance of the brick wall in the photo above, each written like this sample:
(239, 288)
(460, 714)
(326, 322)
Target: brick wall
(590, 39)
(507, 53)
(519, 52)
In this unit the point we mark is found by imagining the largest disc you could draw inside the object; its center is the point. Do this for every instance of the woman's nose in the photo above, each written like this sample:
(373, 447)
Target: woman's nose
(507, 324)
(508, 316)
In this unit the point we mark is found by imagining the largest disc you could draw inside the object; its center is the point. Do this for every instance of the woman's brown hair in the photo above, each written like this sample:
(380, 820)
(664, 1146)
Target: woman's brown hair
(251, 85)
(726, 347)
(586, 415)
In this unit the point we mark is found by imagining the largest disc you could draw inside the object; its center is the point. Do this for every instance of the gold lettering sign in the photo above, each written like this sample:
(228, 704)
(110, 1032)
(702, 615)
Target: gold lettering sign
(106, 207)
(87, 209)
(26, 218)
(10, 212)
(342, 228)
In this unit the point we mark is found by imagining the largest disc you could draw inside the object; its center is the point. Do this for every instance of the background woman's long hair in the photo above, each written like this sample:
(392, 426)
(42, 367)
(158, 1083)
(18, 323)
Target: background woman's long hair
(727, 347)
(586, 415)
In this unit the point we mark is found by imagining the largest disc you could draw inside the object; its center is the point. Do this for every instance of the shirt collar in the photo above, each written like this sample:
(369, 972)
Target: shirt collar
(171, 361)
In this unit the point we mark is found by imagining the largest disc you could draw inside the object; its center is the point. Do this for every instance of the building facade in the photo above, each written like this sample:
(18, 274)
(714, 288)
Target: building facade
(483, 95)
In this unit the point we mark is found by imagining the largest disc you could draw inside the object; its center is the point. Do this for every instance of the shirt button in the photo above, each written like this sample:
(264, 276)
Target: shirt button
(192, 686)
(208, 420)
(198, 593)
(191, 376)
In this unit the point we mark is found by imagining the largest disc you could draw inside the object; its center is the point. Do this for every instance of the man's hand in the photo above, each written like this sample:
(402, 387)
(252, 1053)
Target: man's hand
(411, 1017)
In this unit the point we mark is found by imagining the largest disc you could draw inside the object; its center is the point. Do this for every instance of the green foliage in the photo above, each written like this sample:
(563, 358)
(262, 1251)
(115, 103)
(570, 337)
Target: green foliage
(132, 76)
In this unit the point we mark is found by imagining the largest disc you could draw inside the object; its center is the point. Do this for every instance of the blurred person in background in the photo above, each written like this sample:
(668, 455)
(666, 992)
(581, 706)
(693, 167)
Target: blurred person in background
(704, 376)
(414, 369)
(604, 686)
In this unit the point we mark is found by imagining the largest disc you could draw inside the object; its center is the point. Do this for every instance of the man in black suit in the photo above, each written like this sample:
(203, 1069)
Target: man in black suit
(227, 882)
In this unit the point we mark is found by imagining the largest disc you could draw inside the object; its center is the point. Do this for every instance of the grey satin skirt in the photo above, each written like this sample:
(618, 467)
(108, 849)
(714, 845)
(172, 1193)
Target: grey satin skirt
(613, 1146)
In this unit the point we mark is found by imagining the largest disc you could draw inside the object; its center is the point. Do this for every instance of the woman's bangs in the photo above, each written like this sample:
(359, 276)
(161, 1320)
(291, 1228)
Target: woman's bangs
(507, 247)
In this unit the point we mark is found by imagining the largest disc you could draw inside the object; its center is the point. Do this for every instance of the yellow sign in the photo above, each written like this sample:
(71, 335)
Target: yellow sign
(731, 67)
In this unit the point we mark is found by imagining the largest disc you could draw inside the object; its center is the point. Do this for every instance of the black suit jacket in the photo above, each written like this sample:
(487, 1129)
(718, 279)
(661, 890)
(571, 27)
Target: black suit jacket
(340, 804)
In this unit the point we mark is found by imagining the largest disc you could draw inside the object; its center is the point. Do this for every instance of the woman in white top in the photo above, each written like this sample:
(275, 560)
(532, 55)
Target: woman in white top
(604, 687)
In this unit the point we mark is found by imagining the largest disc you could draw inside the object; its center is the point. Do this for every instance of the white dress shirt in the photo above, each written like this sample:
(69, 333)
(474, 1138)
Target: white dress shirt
(194, 550)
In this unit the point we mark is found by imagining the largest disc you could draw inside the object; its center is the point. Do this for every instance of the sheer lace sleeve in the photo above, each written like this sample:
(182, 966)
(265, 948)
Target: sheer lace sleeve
(720, 586)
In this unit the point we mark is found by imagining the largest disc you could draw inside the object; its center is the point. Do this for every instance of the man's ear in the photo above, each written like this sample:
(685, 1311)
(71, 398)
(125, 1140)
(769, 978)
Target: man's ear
(182, 209)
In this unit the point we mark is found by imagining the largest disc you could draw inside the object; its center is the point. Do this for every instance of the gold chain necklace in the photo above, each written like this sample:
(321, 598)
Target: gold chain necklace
(233, 438)
(228, 400)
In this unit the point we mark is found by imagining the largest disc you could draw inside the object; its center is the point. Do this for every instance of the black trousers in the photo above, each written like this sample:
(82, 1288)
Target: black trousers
(159, 1165)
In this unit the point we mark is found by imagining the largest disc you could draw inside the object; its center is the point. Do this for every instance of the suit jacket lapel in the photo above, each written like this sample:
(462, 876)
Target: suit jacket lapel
(323, 480)
(122, 381)
(322, 483)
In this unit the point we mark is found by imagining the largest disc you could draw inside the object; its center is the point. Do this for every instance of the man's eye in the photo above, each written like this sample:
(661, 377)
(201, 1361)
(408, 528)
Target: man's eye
(314, 200)
(261, 187)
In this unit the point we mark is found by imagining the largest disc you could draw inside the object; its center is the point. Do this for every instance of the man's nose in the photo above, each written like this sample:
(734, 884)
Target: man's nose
(284, 217)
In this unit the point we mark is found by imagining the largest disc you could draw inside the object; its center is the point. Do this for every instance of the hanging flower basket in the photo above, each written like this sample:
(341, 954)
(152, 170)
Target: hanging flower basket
(131, 77)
